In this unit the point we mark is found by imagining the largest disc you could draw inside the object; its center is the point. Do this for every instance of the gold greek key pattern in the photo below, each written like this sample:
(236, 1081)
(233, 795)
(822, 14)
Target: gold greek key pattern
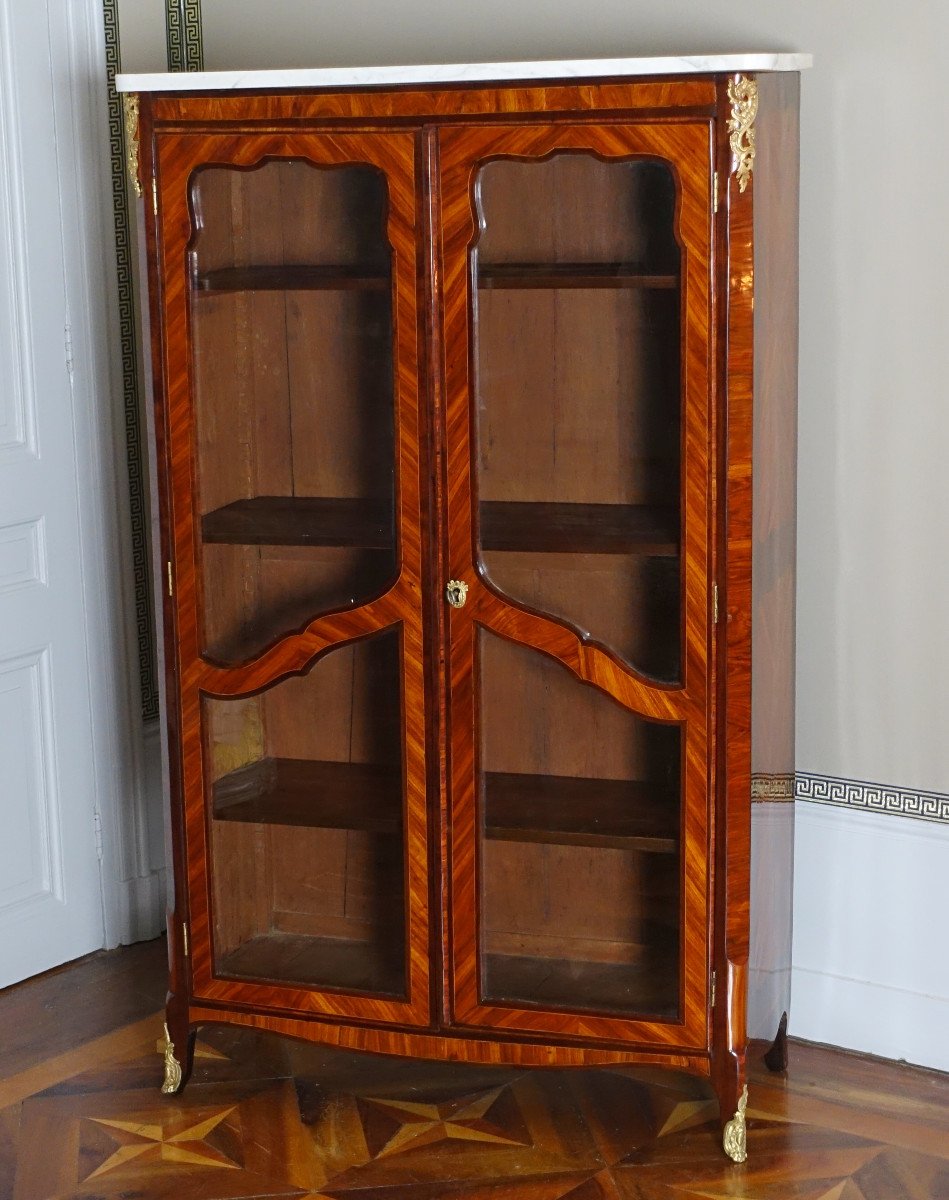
(776, 788)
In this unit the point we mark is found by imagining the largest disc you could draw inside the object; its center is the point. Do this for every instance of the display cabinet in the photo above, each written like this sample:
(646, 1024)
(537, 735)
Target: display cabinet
(453, 395)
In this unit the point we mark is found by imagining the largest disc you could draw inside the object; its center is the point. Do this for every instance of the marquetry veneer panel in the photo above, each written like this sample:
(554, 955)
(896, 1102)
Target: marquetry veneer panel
(649, 532)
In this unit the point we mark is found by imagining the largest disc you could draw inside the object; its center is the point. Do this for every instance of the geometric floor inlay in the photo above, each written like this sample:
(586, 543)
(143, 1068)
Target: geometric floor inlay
(192, 1138)
(266, 1117)
(397, 1126)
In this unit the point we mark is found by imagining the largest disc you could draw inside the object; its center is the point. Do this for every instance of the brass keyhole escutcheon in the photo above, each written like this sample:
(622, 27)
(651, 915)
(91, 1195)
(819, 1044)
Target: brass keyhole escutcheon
(456, 593)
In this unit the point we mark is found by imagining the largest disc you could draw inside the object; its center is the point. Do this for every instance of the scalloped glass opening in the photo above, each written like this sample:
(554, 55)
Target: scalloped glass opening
(294, 437)
(576, 278)
(305, 802)
(580, 832)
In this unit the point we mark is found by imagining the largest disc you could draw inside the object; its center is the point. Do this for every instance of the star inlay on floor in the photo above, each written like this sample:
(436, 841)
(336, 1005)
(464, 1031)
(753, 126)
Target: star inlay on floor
(417, 1125)
(266, 1117)
(182, 1138)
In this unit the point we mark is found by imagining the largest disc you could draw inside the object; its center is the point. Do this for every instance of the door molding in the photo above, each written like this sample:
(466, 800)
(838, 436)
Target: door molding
(687, 147)
(126, 782)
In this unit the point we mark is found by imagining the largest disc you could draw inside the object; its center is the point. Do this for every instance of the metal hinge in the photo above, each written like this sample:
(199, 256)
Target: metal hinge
(67, 331)
(155, 196)
(715, 192)
(712, 1002)
(97, 826)
(184, 938)
(171, 586)
(714, 603)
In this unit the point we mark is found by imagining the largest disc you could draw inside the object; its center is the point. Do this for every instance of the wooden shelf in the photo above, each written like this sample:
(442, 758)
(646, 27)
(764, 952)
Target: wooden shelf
(302, 521)
(340, 963)
(283, 278)
(314, 794)
(574, 984)
(506, 525)
(529, 275)
(610, 813)
(559, 810)
(552, 528)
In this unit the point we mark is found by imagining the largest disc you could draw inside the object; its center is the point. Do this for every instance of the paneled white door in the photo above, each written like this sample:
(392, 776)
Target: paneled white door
(50, 890)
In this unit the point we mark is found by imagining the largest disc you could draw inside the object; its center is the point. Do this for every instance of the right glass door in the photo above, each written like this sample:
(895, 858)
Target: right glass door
(579, 693)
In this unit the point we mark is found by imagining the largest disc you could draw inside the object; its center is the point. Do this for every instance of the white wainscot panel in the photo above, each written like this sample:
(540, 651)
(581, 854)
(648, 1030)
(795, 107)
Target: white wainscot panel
(871, 965)
(769, 965)
(22, 555)
(30, 863)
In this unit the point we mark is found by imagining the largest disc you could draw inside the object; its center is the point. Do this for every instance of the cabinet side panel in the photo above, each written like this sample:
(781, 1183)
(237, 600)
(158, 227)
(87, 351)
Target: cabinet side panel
(774, 508)
(177, 916)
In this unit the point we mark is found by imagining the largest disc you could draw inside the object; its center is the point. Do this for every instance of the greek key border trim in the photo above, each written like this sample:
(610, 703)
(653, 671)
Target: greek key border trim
(849, 793)
(872, 797)
(131, 384)
(184, 36)
(185, 44)
(773, 789)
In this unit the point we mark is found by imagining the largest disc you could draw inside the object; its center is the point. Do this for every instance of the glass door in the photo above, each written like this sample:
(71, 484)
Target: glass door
(577, 288)
(289, 265)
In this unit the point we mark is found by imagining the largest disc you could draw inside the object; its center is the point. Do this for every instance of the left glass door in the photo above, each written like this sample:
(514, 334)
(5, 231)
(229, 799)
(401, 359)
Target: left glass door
(288, 269)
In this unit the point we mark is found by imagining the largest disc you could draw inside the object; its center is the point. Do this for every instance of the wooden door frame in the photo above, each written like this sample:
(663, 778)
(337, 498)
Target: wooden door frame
(170, 157)
(688, 145)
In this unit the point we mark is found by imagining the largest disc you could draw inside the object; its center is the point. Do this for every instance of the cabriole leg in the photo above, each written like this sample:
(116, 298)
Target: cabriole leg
(734, 1136)
(728, 1079)
(179, 1055)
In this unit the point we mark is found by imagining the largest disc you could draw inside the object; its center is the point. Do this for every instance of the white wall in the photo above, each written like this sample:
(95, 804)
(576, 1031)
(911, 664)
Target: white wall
(142, 41)
(873, 647)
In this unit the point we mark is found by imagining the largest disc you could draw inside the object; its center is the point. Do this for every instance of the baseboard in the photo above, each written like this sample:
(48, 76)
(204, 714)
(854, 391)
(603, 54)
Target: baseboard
(769, 966)
(139, 900)
(870, 970)
(141, 908)
(869, 1017)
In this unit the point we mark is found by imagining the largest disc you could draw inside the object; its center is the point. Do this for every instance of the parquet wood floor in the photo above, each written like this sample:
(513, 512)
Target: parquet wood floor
(265, 1117)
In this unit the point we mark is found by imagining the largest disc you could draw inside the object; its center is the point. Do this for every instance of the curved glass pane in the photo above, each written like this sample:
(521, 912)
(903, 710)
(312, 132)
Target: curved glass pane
(580, 832)
(291, 319)
(304, 785)
(579, 413)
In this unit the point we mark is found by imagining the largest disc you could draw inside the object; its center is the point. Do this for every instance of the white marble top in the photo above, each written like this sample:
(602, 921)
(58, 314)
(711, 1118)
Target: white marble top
(571, 68)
